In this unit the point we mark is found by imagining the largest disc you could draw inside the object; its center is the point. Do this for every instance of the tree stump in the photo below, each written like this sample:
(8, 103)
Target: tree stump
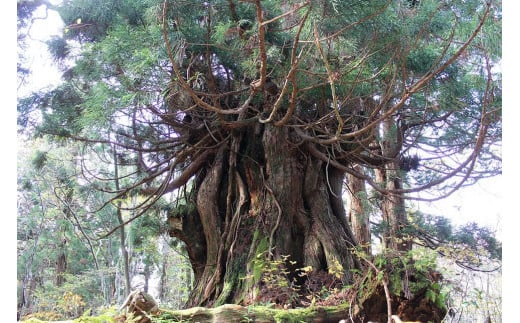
(138, 305)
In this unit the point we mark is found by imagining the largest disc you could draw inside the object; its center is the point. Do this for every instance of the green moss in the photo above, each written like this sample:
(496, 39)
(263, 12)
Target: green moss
(187, 315)
(237, 313)
(182, 209)
(259, 259)
(269, 314)
(230, 285)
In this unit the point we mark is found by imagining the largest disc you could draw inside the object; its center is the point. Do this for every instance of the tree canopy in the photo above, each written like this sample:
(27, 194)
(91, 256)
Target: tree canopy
(428, 66)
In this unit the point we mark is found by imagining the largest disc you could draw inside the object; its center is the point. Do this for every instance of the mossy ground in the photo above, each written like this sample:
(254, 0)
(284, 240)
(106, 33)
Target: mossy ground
(230, 313)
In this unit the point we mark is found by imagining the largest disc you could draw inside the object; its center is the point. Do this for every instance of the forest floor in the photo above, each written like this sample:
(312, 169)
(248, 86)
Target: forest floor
(333, 309)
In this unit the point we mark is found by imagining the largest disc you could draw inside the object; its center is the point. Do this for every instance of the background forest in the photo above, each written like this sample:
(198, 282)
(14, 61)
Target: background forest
(268, 153)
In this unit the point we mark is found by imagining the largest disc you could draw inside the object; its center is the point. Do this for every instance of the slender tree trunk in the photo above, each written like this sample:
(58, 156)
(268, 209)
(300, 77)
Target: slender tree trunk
(109, 263)
(147, 274)
(122, 233)
(61, 263)
(25, 300)
(124, 251)
(358, 215)
(390, 177)
(393, 210)
(29, 279)
(162, 278)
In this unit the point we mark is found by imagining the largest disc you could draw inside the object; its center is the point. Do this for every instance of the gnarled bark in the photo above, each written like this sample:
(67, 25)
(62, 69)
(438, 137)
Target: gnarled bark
(265, 200)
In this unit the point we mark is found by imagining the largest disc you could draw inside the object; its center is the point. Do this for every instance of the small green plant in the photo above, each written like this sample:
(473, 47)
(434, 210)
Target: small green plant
(42, 317)
(278, 286)
(336, 269)
(107, 315)
(71, 304)
(411, 275)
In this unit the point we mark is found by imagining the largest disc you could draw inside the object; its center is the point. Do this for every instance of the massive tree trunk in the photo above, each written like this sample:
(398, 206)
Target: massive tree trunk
(259, 202)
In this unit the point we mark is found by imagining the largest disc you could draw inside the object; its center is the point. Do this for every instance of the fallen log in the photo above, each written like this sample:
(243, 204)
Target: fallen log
(261, 314)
